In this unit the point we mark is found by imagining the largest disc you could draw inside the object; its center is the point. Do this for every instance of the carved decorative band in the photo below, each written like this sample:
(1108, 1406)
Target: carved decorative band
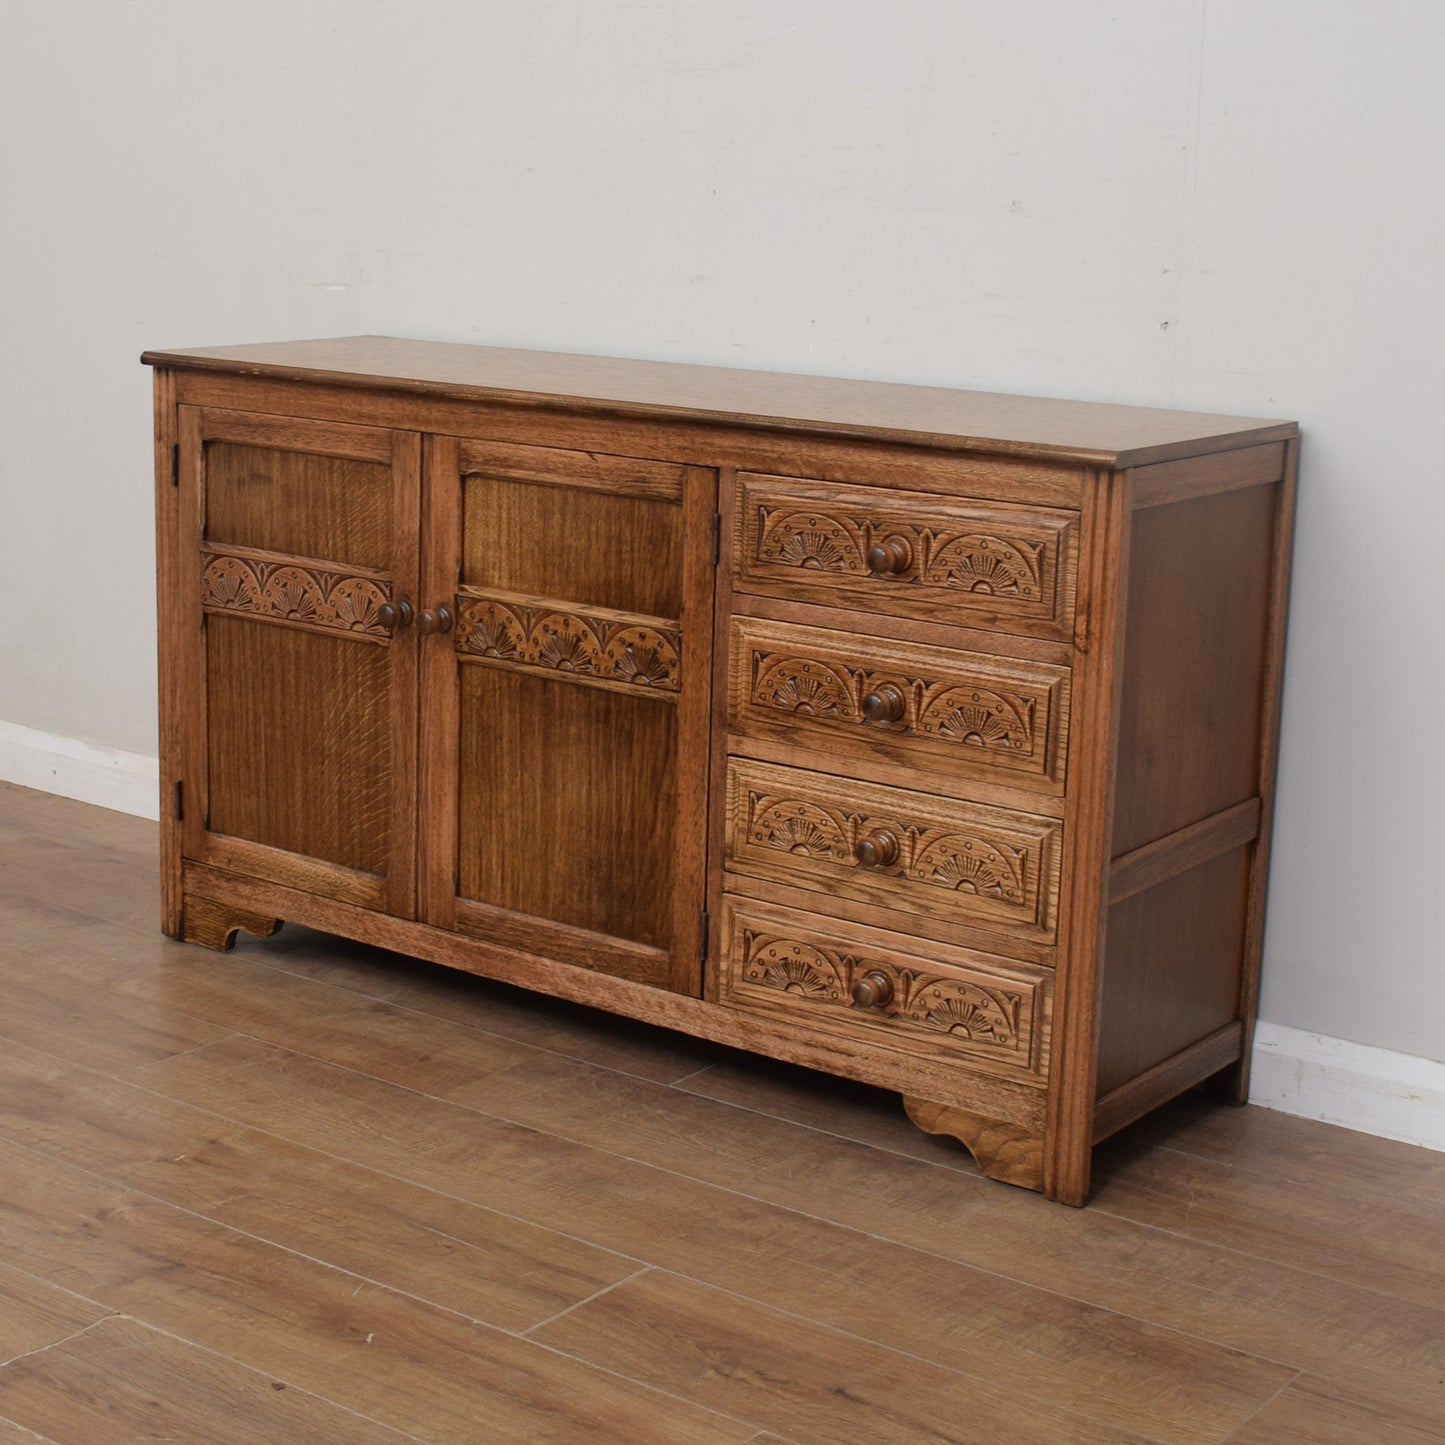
(972, 559)
(970, 715)
(309, 596)
(962, 860)
(596, 645)
(991, 1016)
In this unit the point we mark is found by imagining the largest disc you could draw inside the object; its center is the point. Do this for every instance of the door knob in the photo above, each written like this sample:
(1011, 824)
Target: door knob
(873, 990)
(889, 557)
(434, 619)
(396, 614)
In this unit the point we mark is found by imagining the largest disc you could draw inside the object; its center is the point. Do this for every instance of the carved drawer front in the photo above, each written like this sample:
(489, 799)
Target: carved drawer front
(960, 863)
(929, 999)
(907, 554)
(925, 707)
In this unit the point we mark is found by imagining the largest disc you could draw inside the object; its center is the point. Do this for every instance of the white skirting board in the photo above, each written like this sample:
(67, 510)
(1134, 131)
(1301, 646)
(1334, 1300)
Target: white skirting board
(1396, 1096)
(1376, 1091)
(108, 777)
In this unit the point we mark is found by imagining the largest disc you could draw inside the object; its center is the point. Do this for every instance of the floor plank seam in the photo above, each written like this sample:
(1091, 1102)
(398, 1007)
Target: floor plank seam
(1245, 1424)
(892, 1349)
(583, 1142)
(56, 1344)
(365, 1280)
(966, 1172)
(577, 1304)
(1010, 1279)
(362, 1280)
(481, 1029)
(652, 1389)
(28, 1432)
(1103, 1210)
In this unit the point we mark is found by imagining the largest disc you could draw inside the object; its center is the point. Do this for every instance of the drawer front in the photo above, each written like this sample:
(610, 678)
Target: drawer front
(951, 1003)
(960, 863)
(907, 554)
(924, 707)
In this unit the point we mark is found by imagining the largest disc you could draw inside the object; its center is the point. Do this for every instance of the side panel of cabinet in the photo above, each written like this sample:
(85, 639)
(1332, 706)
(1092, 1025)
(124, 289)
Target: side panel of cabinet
(297, 546)
(564, 713)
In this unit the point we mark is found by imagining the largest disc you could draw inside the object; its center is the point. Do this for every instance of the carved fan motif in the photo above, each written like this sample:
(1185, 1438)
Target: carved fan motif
(599, 647)
(810, 540)
(799, 685)
(228, 582)
(960, 1008)
(796, 827)
(979, 718)
(643, 656)
(566, 643)
(979, 563)
(308, 595)
(293, 593)
(791, 967)
(491, 631)
(969, 865)
(354, 603)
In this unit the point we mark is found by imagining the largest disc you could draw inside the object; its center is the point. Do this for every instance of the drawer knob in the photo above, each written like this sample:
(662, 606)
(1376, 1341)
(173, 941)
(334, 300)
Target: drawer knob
(890, 556)
(392, 615)
(873, 990)
(885, 704)
(438, 619)
(879, 849)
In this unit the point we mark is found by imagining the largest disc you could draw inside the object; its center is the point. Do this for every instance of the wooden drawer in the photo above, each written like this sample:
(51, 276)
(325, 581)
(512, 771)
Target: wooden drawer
(943, 1003)
(907, 554)
(957, 713)
(957, 862)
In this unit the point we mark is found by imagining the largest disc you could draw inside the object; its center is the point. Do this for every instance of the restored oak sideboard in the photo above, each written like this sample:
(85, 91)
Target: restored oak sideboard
(920, 736)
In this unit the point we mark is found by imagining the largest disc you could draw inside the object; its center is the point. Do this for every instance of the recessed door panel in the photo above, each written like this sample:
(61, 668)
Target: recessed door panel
(567, 705)
(299, 556)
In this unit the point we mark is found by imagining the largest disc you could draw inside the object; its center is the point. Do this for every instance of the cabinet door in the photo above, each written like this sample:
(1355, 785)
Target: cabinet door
(564, 711)
(298, 546)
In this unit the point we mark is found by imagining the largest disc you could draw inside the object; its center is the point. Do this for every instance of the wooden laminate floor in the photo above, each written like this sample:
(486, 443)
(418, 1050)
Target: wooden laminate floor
(310, 1191)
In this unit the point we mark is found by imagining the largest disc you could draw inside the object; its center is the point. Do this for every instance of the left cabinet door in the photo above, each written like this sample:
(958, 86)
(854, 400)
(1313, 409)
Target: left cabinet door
(297, 566)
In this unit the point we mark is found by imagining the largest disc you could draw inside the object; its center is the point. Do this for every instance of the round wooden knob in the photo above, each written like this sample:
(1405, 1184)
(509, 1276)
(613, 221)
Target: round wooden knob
(879, 849)
(889, 557)
(873, 990)
(884, 704)
(434, 619)
(392, 615)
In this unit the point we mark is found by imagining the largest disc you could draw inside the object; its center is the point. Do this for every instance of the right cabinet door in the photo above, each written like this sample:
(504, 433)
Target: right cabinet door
(565, 655)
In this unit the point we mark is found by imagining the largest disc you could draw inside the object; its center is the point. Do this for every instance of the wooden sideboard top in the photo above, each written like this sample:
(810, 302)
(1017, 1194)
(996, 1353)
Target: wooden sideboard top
(1093, 433)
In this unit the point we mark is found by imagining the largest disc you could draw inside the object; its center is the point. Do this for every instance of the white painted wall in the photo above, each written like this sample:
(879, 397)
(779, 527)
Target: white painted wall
(1231, 205)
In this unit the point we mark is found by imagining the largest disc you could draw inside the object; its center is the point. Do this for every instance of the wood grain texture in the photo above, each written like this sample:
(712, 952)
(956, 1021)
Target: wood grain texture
(290, 714)
(1172, 967)
(1005, 568)
(1003, 1151)
(399, 1360)
(570, 805)
(971, 715)
(125, 1381)
(954, 714)
(573, 544)
(901, 851)
(1092, 1361)
(279, 499)
(1190, 712)
(1228, 1253)
(810, 1383)
(1027, 426)
(976, 1009)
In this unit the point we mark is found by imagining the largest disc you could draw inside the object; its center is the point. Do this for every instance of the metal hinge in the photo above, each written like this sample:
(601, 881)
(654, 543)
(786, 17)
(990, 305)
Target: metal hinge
(716, 538)
(175, 464)
(180, 800)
